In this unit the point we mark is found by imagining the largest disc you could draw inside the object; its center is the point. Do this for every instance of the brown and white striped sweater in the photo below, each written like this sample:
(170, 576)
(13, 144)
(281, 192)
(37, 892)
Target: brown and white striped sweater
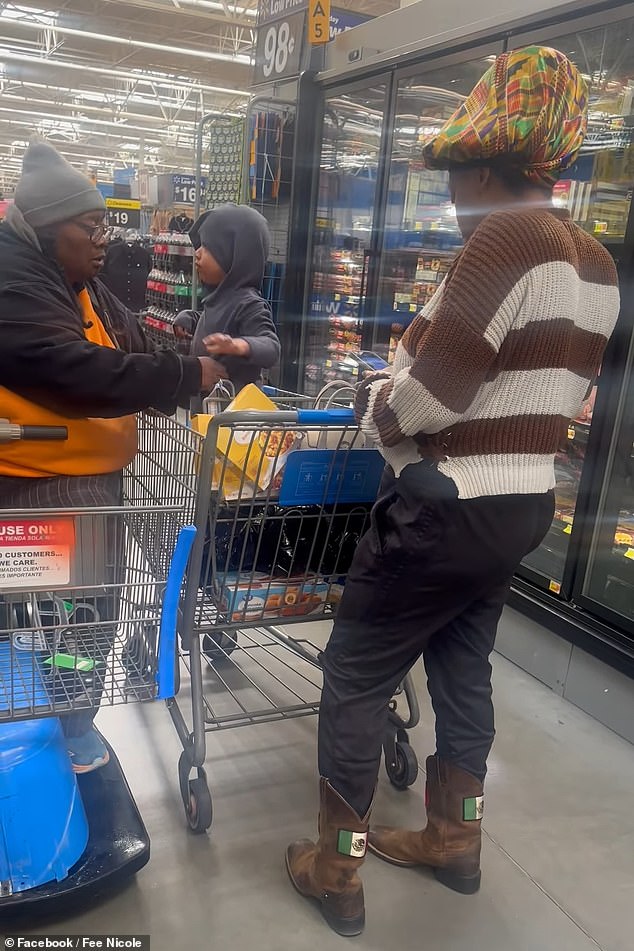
(488, 375)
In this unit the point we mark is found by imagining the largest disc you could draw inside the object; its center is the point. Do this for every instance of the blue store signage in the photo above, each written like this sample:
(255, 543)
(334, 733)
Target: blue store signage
(342, 20)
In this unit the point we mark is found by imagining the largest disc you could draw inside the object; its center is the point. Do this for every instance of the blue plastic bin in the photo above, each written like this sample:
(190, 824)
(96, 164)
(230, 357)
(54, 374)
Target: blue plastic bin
(43, 826)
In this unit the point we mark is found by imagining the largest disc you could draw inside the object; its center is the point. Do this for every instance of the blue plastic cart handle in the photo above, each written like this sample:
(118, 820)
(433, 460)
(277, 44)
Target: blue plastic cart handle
(325, 417)
(269, 390)
(166, 668)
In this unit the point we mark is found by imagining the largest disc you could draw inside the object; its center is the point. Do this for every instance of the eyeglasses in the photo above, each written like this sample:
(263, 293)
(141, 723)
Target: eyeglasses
(95, 232)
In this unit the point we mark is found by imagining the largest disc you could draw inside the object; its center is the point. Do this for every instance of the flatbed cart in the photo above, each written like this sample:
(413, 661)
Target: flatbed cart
(291, 496)
(88, 609)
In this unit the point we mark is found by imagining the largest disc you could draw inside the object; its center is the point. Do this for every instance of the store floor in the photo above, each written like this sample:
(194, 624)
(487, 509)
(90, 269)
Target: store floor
(558, 853)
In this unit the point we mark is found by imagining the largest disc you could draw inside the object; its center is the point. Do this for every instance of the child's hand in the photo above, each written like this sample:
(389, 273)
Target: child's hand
(223, 345)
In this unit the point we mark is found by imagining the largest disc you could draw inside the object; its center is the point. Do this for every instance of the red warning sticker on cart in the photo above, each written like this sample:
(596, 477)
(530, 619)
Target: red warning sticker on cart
(36, 553)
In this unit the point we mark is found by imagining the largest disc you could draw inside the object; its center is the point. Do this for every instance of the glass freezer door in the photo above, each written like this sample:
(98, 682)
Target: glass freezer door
(343, 237)
(609, 580)
(597, 191)
(420, 237)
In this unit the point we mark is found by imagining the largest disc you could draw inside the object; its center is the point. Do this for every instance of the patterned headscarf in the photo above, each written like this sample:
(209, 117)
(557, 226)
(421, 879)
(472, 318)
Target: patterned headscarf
(528, 112)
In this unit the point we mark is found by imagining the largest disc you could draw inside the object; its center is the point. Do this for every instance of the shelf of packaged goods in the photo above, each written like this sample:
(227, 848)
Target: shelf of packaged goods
(156, 324)
(173, 290)
(579, 431)
(341, 367)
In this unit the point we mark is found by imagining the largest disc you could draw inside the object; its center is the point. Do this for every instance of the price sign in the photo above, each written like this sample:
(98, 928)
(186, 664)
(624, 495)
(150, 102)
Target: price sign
(184, 189)
(278, 50)
(123, 213)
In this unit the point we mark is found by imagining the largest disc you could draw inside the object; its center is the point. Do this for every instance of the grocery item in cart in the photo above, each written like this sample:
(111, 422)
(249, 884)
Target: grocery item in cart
(249, 459)
(252, 597)
(278, 542)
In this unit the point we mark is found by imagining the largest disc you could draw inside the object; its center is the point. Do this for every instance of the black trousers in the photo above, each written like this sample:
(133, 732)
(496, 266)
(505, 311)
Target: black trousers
(429, 578)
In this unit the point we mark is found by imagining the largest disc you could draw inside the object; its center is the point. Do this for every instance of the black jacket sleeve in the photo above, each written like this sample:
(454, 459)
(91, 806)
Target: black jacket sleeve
(45, 358)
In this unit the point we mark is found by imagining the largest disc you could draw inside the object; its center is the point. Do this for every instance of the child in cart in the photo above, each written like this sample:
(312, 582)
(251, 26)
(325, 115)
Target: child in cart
(235, 327)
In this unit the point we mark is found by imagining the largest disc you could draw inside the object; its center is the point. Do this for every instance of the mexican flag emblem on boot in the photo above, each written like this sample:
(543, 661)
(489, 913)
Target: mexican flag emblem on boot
(352, 843)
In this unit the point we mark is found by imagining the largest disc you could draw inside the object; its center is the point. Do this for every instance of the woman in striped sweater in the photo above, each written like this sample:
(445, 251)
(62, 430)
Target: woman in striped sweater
(469, 420)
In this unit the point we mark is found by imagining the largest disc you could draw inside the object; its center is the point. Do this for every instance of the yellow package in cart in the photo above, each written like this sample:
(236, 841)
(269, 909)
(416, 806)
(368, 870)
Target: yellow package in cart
(250, 459)
(225, 478)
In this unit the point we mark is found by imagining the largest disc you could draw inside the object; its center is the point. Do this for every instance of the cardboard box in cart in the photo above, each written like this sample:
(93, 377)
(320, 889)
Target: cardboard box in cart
(253, 597)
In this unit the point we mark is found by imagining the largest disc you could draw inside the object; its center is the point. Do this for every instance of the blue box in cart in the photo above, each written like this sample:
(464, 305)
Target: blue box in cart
(253, 597)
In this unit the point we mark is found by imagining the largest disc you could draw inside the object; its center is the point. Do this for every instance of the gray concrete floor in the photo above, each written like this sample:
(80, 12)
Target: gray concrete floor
(558, 853)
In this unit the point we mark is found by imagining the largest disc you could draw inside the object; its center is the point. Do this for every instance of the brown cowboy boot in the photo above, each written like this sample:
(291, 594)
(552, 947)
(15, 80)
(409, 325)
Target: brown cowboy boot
(327, 870)
(450, 844)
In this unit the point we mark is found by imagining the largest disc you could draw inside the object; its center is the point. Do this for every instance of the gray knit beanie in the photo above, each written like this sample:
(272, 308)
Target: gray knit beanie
(51, 190)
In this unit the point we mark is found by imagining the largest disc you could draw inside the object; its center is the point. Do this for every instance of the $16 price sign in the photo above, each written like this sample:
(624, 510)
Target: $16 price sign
(279, 48)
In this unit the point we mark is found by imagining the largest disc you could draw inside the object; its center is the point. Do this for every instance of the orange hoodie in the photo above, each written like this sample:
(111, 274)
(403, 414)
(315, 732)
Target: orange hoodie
(93, 446)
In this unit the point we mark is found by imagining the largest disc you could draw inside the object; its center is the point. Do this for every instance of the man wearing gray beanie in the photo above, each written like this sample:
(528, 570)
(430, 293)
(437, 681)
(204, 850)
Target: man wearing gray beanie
(72, 355)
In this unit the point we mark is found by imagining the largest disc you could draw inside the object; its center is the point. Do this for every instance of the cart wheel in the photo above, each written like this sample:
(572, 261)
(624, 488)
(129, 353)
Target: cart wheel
(199, 810)
(219, 645)
(402, 767)
(195, 794)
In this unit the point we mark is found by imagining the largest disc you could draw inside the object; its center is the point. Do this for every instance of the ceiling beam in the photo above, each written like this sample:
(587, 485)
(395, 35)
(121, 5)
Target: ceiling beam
(139, 75)
(240, 58)
(214, 12)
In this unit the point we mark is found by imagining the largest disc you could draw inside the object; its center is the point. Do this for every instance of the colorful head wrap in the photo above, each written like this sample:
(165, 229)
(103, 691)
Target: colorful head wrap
(528, 112)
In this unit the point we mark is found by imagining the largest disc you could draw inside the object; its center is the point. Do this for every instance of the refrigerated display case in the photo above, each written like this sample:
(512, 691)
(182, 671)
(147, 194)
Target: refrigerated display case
(597, 192)
(608, 581)
(384, 236)
(343, 232)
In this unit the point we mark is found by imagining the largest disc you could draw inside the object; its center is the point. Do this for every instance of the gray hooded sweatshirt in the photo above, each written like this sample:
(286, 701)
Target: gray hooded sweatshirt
(238, 238)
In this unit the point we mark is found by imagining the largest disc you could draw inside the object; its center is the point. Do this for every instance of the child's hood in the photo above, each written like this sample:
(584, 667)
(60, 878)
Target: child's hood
(238, 237)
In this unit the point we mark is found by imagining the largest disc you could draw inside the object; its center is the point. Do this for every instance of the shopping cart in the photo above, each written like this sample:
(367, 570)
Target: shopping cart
(291, 494)
(89, 596)
(88, 614)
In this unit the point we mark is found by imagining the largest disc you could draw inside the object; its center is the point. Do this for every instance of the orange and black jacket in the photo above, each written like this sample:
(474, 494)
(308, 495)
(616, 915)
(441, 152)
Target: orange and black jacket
(69, 353)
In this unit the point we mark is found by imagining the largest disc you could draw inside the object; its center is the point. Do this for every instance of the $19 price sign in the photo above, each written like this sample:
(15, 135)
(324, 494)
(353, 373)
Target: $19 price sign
(279, 48)
(123, 213)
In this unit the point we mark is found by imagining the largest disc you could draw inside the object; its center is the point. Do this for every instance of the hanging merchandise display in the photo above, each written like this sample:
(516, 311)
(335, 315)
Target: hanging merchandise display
(180, 223)
(125, 272)
(268, 160)
(224, 145)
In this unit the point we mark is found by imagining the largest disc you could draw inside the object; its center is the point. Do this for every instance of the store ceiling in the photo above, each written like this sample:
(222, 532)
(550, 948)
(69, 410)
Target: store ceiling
(110, 81)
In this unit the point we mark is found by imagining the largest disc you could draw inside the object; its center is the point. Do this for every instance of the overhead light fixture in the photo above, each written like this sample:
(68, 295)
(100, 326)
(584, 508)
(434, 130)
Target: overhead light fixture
(220, 7)
(17, 13)
(105, 99)
(27, 101)
(239, 58)
(108, 135)
(138, 75)
(121, 127)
